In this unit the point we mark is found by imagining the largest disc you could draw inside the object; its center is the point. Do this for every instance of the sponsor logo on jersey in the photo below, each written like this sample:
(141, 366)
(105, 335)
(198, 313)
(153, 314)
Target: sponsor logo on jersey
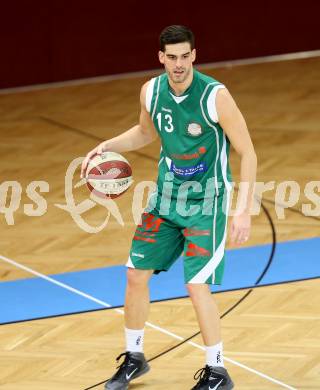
(186, 156)
(188, 171)
(194, 129)
(166, 110)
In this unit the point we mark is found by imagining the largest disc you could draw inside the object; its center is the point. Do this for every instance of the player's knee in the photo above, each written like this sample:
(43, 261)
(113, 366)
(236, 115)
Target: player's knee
(137, 277)
(197, 289)
(192, 289)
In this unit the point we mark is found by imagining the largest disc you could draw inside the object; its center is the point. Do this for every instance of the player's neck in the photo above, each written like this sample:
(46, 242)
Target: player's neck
(180, 88)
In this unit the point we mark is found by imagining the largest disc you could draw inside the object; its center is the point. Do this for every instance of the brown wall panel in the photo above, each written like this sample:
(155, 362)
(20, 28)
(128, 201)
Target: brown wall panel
(46, 41)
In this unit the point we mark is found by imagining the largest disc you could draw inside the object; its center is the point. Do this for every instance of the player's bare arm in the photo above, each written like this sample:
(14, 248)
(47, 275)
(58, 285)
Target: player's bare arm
(135, 138)
(234, 125)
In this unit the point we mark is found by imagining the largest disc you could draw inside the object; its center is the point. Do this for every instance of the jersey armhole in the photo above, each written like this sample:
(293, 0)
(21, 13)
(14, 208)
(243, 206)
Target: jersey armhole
(149, 94)
(211, 103)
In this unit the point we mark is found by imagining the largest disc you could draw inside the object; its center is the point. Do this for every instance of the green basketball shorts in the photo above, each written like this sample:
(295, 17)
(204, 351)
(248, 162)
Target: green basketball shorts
(199, 237)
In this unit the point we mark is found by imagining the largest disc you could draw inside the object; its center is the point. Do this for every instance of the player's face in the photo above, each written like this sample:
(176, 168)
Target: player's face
(177, 60)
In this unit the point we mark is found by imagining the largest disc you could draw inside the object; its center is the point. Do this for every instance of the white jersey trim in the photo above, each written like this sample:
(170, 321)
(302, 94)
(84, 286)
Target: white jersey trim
(223, 150)
(211, 103)
(149, 93)
(178, 99)
(157, 97)
(216, 134)
(224, 163)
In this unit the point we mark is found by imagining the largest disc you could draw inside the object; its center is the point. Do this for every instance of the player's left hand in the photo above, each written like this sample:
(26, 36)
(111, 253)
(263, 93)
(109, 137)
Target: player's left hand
(240, 228)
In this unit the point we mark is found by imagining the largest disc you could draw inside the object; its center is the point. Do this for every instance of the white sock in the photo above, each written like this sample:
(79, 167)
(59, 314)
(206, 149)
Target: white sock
(134, 339)
(214, 355)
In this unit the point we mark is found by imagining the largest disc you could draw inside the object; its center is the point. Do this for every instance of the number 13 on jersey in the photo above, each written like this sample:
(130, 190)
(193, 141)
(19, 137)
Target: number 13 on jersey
(168, 126)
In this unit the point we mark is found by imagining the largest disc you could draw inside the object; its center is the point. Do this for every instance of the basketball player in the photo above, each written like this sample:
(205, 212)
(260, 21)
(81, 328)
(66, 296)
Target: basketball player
(196, 119)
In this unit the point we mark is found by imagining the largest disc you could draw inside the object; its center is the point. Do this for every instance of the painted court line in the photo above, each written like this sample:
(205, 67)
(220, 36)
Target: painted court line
(162, 330)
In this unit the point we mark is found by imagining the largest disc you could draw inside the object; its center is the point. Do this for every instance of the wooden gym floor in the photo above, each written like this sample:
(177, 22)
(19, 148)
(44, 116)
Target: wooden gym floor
(274, 331)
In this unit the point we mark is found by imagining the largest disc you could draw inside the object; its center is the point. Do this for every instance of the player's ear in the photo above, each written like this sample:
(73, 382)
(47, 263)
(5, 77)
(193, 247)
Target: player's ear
(193, 55)
(161, 56)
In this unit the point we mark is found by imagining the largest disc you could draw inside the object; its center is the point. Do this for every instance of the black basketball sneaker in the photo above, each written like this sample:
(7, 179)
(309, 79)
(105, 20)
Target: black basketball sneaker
(133, 366)
(213, 378)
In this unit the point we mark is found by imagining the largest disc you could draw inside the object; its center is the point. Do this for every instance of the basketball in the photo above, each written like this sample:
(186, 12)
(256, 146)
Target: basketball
(108, 175)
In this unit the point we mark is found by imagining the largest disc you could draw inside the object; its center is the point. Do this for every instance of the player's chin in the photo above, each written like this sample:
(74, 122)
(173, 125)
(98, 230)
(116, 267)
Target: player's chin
(178, 78)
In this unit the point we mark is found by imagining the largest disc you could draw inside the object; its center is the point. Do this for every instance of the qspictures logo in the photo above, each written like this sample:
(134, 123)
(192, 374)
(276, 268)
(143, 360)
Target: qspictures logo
(286, 194)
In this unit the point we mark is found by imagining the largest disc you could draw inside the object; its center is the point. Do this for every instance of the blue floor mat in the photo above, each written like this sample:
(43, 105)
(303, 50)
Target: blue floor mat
(33, 298)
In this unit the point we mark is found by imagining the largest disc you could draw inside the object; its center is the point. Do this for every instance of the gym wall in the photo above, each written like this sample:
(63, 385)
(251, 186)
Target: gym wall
(48, 41)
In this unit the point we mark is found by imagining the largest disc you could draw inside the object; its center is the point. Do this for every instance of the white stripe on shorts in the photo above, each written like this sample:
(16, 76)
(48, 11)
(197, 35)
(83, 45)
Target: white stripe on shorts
(215, 260)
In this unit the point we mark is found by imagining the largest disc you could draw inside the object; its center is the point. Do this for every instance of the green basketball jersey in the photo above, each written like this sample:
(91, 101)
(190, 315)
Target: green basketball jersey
(195, 150)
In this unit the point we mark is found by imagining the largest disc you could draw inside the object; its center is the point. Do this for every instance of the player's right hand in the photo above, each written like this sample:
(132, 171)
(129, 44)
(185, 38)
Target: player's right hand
(97, 150)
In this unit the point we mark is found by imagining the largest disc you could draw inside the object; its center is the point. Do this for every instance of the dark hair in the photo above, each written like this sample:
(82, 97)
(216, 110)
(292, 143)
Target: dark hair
(175, 34)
